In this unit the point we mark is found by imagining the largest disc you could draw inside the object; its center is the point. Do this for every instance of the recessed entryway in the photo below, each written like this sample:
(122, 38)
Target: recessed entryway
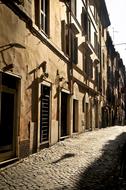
(75, 116)
(64, 114)
(8, 115)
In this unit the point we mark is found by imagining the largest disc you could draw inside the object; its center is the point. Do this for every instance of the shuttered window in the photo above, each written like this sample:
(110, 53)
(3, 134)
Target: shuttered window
(69, 42)
(91, 69)
(88, 67)
(96, 76)
(96, 43)
(89, 31)
(42, 15)
(84, 21)
(65, 38)
(74, 48)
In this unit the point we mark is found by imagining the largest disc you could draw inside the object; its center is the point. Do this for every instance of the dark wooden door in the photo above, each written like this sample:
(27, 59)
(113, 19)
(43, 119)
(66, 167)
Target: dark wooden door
(44, 114)
(64, 97)
(75, 116)
(8, 116)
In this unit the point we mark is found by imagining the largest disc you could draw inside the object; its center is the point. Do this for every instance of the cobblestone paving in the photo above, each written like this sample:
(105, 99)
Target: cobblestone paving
(85, 161)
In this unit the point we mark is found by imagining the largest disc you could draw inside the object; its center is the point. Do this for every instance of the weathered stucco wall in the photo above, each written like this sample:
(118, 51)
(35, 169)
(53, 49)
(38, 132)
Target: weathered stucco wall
(26, 62)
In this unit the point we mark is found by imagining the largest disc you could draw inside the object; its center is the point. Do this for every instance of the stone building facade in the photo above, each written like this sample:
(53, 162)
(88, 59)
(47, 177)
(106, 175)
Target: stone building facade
(53, 72)
(116, 82)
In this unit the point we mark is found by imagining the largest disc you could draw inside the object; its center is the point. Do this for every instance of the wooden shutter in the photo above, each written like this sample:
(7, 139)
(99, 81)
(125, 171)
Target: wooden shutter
(67, 40)
(63, 36)
(75, 50)
(91, 69)
(96, 76)
(87, 65)
(37, 13)
(84, 21)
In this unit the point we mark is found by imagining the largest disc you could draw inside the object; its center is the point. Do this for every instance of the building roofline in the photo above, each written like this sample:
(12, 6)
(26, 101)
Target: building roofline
(103, 12)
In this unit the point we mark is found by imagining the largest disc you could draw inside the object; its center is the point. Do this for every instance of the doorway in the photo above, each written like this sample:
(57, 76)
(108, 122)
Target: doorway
(75, 116)
(96, 115)
(87, 116)
(44, 114)
(64, 114)
(8, 116)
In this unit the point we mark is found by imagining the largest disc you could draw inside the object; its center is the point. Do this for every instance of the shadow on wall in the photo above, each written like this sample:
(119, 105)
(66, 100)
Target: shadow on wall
(104, 173)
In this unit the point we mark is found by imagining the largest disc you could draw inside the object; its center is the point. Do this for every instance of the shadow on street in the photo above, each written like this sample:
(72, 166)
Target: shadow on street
(65, 156)
(105, 172)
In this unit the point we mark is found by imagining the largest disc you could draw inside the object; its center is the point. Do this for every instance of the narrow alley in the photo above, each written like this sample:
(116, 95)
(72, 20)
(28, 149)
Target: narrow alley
(86, 161)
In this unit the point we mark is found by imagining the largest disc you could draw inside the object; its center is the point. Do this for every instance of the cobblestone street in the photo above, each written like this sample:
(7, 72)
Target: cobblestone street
(86, 161)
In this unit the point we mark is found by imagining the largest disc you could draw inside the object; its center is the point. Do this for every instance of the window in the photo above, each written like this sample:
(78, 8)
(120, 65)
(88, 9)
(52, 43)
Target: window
(83, 60)
(73, 7)
(84, 21)
(99, 50)
(104, 87)
(91, 69)
(108, 73)
(95, 15)
(42, 15)
(65, 38)
(88, 67)
(102, 31)
(69, 41)
(99, 82)
(96, 43)
(89, 31)
(74, 48)
(96, 76)
(103, 59)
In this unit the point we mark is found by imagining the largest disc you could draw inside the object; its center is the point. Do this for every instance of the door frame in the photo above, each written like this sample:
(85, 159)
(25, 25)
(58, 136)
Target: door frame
(68, 114)
(87, 116)
(76, 116)
(48, 84)
(17, 100)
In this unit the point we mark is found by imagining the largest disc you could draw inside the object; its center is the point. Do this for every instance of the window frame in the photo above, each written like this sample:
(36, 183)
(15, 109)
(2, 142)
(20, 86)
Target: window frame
(65, 38)
(42, 11)
(74, 48)
(74, 7)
